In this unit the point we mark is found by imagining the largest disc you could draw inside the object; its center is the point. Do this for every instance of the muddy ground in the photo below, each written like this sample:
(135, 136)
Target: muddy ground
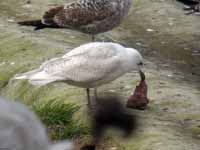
(159, 29)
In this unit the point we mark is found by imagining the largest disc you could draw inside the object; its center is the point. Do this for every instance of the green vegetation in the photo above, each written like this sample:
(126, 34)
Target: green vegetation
(58, 117)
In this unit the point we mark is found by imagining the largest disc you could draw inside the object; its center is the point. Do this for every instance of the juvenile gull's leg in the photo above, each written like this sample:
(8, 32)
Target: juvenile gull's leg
(192, 9)
(88, 97)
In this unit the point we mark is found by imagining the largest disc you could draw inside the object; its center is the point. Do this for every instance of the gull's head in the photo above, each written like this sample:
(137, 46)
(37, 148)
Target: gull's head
(135, 59)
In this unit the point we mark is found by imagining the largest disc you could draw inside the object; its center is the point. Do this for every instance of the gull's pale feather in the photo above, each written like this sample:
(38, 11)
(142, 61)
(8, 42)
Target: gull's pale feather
(95, 49)
(94, 63)
(40, 76)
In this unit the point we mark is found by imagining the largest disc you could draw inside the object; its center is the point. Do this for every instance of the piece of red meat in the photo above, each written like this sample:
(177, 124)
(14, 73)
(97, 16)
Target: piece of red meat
(139, 100)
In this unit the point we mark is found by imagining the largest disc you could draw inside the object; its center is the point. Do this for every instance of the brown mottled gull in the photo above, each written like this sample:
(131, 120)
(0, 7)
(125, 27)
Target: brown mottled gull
(88, 16)
(87, 66)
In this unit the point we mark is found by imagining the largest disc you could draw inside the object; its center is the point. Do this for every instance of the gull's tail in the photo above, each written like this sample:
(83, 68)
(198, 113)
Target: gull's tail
(30, 23)
(47, 20)
(36, 77)
(35, 23)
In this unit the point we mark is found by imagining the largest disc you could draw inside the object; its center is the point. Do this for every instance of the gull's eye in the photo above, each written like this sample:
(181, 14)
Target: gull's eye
(140, 64)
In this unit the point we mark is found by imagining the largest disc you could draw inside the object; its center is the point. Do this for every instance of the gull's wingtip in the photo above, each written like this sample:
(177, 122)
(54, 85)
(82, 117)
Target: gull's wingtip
(19, 77)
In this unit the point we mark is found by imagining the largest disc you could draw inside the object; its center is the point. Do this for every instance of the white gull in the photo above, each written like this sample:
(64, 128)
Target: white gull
(88, 66)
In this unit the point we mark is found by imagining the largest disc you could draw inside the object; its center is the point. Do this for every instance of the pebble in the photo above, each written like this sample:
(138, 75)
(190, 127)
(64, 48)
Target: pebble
(1, 25)
(165, 109)
(186, 48)
(112, 91)
(28, 1)
(121, 87)
(162, 83)
(138, 43)
(12, 63)
(169, 75)
(196, 51)
(11, 20)
(113, 148)
(171, 23)
(150, 30)
(179, 95)
(27, 6)
(2, 63)
(163, 42)
(186, 7)
(72, 37)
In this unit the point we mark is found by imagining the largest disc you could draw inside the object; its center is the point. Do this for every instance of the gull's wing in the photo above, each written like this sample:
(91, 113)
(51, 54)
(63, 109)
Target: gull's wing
(85, 67)
(82, 12)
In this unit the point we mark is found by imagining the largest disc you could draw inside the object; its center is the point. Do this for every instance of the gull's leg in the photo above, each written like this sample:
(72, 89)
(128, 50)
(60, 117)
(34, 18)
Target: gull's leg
(193, 9)
(88, 97)
(95, 94)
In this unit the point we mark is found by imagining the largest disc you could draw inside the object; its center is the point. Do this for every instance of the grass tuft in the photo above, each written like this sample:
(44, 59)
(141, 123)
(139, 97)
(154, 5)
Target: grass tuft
(54, 112)
(58, 117)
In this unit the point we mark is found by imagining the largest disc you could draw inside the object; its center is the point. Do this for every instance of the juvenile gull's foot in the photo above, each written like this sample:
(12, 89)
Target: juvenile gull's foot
(193, 9)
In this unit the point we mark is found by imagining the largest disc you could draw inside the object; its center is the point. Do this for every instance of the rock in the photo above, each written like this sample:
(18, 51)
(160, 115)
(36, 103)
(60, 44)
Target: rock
(150, 30)
(11, 20)
(28, 1)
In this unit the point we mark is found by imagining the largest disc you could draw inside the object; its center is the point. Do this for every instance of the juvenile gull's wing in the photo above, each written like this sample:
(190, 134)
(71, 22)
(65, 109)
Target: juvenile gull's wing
(82, 12)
